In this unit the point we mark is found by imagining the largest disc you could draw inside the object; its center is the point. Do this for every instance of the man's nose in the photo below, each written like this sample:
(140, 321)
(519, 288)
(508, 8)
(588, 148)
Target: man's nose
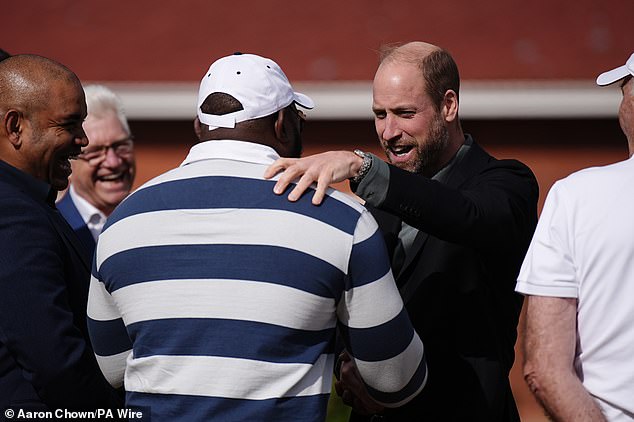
(392, 129)
(111, 159)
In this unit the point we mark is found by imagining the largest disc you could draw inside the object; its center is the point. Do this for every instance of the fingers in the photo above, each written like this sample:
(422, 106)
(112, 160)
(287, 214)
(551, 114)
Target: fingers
(339, 388)
(279, 165)
(324, 169)
(323, 182)
(302, 184)
(288, 167)
(348, 398)
(360, 406)
(346, 395)
(293, 169)
(349, 375)
(353, 388)
(291, 172)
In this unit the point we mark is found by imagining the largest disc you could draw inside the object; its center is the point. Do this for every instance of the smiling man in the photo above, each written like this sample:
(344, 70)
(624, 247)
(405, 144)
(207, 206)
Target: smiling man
(105, 171)
(46, 361)
(457, 222)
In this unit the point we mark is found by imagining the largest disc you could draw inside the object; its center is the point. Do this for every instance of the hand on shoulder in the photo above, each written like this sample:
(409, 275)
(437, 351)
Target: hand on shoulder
(324, 169)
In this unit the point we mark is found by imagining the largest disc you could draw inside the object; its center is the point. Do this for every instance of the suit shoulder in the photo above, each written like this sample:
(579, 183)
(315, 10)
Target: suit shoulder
(511, 163)
(13, 201)
(25, 222)
(479, 162)
(512, 167)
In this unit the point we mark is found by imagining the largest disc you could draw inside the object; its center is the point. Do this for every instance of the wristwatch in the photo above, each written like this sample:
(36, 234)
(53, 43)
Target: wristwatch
(365, 166)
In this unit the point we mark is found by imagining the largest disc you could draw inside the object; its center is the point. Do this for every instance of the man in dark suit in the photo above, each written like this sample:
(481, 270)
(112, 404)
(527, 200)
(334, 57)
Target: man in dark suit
(458, 222)
(104, 173)
(46, 361)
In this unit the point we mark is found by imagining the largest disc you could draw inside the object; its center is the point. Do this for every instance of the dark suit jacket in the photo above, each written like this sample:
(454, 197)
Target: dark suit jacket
(45, 358)
(69, 211)
(458, 282)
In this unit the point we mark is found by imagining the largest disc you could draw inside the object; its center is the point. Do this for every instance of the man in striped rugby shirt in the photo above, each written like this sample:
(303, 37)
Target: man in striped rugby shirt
(212, 298)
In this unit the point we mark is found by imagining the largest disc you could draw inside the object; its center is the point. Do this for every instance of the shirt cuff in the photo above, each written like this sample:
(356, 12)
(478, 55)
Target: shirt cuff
(373, 187)
(543, 289)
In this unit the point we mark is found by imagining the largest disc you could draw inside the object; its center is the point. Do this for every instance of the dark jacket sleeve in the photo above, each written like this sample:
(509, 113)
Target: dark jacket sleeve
(495, 207)
(38, 325)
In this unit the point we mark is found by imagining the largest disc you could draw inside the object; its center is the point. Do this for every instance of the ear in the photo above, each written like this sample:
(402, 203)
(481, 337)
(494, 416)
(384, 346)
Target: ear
(450, 106)
(13, 120)
(280, 131)
(197, 128)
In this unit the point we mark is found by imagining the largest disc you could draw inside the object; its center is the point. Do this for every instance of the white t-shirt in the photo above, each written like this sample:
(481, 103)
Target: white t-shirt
(583, 248)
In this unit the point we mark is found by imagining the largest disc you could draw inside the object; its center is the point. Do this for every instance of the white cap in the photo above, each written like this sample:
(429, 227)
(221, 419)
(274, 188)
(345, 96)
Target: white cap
(258, 83)
(611, 76)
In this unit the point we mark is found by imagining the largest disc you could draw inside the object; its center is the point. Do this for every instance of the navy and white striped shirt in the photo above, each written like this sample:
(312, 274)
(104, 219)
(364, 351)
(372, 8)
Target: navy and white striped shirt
(212, 298)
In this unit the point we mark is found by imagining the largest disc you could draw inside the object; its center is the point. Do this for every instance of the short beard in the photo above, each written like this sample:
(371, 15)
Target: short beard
(428, 161)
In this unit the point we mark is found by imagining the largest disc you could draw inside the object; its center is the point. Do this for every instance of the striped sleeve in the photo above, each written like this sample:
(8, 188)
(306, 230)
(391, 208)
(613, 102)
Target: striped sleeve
(107, 332)
(376, 328)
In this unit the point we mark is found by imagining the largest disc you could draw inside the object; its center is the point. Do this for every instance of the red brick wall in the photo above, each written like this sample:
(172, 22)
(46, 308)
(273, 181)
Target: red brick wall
(143, 40)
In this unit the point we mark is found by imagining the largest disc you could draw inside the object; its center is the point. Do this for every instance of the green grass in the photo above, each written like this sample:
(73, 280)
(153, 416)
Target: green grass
(337, 411)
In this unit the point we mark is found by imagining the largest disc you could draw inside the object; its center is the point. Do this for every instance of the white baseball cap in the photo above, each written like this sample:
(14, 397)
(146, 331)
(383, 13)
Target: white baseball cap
(611, 76)
(258, 83)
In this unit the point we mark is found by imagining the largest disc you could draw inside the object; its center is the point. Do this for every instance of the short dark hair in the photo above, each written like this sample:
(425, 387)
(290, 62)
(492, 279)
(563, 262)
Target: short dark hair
(438, 69)
(219, 104)
(441, 74)
(4, 55)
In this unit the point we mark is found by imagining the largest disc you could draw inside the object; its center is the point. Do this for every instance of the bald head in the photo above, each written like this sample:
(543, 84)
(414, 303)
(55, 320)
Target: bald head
(412, 52)
(42, 107)
(25, 82)
(436, 65)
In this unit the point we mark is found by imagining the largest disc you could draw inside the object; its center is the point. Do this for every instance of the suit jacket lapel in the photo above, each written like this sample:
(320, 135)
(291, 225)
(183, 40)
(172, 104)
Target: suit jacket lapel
(417, 246)
(470, 163)
(71, 239)
(71, 214)
(390, 226)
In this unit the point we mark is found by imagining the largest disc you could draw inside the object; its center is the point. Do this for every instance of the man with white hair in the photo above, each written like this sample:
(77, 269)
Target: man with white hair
(103, 175)
(232, 295)
(578, 275)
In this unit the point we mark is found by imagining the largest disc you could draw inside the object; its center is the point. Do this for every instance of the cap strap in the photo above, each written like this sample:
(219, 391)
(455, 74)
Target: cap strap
(225, 120)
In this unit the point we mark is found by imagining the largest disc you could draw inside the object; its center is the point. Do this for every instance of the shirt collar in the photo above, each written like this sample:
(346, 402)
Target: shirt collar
(248, 152)
(36, 188)
(443, 174)
(85, 208)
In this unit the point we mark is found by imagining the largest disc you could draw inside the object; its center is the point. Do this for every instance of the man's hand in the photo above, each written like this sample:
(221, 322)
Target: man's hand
(352, 390)
(324, 169)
